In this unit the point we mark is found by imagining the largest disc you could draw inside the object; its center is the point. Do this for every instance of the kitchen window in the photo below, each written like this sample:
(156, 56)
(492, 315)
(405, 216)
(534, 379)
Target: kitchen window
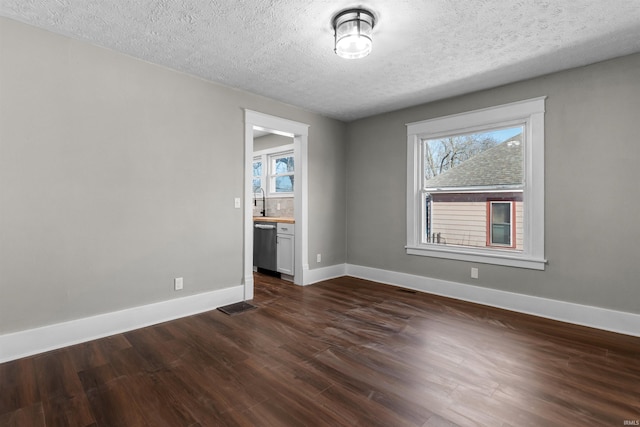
(281, 174)
(475, 186)
(274, 171)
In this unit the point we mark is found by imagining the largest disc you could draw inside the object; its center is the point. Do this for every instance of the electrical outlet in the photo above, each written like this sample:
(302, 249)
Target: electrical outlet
(319, 258)
(236, 202)
(474, 273)
(178, 283)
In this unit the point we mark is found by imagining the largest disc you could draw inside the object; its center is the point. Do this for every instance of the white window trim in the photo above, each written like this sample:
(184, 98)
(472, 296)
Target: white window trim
(265, 156)
(529, 113)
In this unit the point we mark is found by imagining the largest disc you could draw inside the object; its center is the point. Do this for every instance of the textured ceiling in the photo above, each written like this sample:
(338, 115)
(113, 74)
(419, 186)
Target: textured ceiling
(282, 49)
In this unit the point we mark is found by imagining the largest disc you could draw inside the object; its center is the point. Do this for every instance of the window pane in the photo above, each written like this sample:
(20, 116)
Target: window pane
(257, 168)
(475, 160)
(501, 213)
(284, 165)
(500, 234)
(257, 184)
(284, 184)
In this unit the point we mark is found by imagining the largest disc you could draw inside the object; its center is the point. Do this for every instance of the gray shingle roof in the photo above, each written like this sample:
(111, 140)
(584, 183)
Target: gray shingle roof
(500, 165)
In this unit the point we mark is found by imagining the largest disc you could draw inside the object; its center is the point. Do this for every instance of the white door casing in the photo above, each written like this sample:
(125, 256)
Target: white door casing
(299, 132)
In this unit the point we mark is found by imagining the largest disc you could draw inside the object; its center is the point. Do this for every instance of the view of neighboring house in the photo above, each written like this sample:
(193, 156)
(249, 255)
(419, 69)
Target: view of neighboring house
(478, 203)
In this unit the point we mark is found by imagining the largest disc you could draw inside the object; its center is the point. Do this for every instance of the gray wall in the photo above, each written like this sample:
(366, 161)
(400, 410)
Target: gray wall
(117, 175)
(592, 148)
(270, 141)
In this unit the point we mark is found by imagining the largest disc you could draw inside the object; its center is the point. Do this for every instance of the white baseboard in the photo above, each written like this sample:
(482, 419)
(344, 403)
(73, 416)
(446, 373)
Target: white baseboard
(324, 273)
(38, 340)
(594, 317)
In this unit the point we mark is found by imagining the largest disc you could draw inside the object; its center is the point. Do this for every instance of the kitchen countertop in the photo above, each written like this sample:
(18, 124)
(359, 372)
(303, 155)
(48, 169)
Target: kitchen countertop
(284, 219)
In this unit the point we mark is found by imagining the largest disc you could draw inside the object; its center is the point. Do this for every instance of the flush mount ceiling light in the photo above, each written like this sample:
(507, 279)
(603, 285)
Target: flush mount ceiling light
(352, 30)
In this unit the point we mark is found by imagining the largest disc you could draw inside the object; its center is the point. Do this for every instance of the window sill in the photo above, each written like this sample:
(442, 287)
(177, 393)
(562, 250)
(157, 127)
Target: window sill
(472, 255)
(279, 195)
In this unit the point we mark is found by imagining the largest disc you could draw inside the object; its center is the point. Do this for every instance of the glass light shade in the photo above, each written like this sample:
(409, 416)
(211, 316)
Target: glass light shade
(353, 33)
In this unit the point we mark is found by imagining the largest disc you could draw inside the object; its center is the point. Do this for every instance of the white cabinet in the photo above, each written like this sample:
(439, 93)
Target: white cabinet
(285, 252)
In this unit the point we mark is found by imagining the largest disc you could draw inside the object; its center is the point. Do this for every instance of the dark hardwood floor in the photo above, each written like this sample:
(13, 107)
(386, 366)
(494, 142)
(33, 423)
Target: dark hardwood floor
(342, 352)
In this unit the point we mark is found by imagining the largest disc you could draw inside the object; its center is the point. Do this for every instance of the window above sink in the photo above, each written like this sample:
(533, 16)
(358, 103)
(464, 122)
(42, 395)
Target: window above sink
(274, 171)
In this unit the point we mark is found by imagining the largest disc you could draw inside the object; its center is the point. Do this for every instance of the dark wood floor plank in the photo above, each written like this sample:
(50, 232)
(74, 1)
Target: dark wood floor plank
(153, 347)
(355, 409)
(31, 416)
(96, 353)
(344, 352)
(113, 404)
(19, 385)
(64, 411)
(161, 408)
(56, 375)
(63, 398)
(194, 398)
(405, 399)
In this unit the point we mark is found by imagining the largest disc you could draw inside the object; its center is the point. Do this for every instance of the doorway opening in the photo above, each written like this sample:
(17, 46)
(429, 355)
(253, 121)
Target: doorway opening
(260, 122)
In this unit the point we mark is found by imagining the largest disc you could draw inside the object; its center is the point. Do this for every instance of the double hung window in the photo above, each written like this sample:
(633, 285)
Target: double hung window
(475, 186)
(274, 172)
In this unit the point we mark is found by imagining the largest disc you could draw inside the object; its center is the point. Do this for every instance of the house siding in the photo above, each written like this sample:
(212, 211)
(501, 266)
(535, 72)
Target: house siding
(519, 226)
(464, 222)
(460, 223)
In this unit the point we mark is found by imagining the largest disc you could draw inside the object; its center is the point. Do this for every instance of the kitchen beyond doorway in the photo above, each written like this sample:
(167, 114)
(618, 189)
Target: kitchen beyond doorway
(298, 132)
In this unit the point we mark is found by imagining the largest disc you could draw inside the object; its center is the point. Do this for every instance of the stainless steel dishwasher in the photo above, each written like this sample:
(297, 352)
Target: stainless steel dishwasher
(265, 245)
